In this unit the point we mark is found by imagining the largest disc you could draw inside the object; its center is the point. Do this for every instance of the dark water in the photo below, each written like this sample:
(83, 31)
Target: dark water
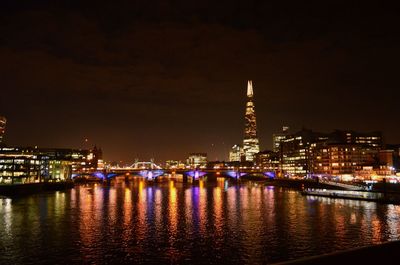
(175, 223)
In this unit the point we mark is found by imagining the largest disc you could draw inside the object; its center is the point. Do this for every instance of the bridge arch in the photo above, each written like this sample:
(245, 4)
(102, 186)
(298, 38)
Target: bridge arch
(144, 165)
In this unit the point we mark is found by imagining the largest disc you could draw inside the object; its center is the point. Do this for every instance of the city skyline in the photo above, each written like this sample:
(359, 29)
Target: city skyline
(70, 76)
(199, 132)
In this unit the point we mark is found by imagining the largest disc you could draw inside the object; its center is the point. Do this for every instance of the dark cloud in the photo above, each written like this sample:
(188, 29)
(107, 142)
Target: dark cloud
(163, 81)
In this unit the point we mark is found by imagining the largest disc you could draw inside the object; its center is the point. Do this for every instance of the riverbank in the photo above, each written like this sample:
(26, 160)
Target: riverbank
(31, 188)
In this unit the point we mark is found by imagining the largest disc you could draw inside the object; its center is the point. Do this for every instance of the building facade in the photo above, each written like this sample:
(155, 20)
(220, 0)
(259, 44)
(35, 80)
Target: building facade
(250, 140)
(295, 152)
(19, 166)
(277, 138)
(174, 164)
(236, 153)
(268, 160)
(197, 160)
(341, 159)
(307, 153)
(80, 160)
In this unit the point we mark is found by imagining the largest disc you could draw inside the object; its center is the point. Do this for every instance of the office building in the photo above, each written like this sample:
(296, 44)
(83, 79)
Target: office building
(307, 153)
(277, 138)
(197, 160)
(19, 166)
(341, 159)
(268, 160)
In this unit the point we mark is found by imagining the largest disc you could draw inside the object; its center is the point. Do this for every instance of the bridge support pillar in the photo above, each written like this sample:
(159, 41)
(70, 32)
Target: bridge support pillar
(106, 181)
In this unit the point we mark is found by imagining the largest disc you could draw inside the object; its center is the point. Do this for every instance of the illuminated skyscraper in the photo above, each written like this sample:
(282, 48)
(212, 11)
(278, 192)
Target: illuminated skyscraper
(2, 128)
(250, 141)
(235, 155)
(277, 138)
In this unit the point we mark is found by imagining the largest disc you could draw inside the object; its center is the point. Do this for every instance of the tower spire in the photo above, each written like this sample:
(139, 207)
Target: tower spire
(249, 88)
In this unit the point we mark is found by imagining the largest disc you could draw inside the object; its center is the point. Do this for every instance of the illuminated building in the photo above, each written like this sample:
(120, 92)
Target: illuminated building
(3, 122)
(372, 139)
(250, 141)
(338, 153)
(268, 160)
(80, 160)
(341, 159)
(18, 166)
(236, 153)
(277, 138)
(375, 173)
(197, 160)
(346, 152)
(101, 164)
(174, 164)
(295, 153)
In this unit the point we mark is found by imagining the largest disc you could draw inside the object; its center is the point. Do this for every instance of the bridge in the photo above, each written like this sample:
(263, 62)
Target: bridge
(151, 171)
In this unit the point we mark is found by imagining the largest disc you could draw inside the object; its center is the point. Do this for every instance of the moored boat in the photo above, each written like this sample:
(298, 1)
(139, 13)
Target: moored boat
(352, 195)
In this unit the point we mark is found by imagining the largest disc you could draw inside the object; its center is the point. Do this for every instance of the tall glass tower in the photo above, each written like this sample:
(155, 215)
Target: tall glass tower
(250, 141)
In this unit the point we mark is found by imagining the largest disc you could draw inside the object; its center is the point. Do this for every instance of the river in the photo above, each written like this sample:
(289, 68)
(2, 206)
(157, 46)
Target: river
(176, 223)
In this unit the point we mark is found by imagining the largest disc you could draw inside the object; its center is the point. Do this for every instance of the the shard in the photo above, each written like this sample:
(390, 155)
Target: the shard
(250, 141)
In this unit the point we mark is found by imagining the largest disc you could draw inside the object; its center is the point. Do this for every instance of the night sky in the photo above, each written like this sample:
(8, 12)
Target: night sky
(165, 78)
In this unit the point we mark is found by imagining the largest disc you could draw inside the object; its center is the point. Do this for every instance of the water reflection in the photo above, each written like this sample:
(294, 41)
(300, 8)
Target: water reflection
(218, 212)
(201, 198)
(128, 208)
(172, 222)
(158, 210)
(173, 211)
(5, 210)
